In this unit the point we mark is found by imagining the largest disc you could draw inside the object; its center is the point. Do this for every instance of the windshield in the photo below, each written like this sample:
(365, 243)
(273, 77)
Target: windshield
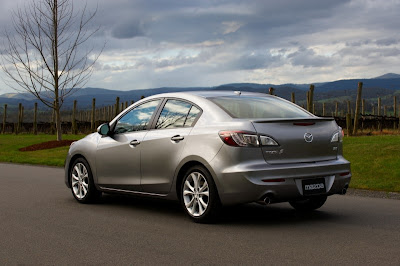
(259, 107)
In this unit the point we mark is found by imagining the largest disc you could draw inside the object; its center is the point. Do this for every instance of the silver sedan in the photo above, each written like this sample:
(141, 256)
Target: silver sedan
(208, 149)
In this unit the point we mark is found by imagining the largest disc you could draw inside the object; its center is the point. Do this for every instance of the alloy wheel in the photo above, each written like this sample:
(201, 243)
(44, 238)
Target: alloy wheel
(80, 180)
(196, 194)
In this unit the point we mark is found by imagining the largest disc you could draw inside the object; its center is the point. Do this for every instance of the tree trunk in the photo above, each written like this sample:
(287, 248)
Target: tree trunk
(358, 103)
(35, 120)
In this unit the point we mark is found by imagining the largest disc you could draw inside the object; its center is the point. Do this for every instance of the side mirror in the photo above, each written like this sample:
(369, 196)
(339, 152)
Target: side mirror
(103, 129)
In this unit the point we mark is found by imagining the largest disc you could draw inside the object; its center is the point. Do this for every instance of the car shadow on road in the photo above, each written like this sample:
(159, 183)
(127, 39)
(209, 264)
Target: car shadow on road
(275, 214)
(251, 214)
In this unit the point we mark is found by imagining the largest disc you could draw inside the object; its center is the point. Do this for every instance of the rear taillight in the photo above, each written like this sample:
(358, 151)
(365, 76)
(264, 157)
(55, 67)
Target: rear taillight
(338, 136)
(246, 139)
(239, 138)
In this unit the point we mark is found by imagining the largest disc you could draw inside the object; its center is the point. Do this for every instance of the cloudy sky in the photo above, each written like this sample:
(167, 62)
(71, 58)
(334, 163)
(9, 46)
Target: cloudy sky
(160, 43)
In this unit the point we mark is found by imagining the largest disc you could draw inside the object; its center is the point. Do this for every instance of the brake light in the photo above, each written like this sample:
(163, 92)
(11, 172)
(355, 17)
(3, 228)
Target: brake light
(239, 138)
(338, 136)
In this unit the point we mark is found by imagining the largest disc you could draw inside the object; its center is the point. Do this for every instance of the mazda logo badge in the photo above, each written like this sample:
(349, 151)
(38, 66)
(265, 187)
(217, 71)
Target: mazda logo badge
(308, 137)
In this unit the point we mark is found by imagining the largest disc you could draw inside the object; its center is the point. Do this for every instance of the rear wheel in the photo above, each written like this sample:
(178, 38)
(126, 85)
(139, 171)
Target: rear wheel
(199, 195)
(309, 204)
(82, 185)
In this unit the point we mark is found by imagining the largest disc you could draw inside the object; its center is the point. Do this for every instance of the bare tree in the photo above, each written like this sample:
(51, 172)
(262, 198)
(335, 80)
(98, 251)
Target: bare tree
(45, 55)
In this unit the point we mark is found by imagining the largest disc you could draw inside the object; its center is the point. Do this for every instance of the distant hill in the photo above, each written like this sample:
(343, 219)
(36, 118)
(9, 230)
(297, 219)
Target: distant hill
(389, 76)
(384, 86)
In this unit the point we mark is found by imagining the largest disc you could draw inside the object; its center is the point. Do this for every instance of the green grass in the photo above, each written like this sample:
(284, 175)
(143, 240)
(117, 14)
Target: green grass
(375, 160)
(9, 145)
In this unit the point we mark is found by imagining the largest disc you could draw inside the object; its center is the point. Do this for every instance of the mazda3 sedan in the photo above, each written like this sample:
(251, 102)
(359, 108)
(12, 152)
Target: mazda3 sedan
(210, 149)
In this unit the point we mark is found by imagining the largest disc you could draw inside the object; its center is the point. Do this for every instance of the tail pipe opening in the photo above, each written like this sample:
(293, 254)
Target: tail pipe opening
(344, 190)
(267, 199)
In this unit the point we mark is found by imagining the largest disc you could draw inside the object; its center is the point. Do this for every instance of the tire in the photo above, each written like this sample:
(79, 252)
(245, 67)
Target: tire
(82, 185)
(199, 196)
(309, 204)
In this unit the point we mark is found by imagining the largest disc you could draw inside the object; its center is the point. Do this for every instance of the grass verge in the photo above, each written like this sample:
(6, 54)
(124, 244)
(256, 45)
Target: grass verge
(9, 145)
(375, 160)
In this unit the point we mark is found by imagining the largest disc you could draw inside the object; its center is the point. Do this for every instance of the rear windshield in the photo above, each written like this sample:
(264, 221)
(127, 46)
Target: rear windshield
(259, 107)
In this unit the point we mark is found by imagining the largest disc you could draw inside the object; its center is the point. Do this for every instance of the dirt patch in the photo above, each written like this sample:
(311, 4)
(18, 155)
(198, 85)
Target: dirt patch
(47, 145)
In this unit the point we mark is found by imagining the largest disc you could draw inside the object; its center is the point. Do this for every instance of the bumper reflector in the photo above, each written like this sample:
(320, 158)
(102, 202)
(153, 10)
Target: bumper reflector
(273, 180)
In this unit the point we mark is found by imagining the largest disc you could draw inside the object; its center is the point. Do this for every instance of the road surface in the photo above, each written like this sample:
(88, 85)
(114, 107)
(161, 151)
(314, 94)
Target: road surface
(41, 223)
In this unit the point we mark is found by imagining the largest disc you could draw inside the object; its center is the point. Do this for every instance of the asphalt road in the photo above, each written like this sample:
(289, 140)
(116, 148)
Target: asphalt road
(41, 223)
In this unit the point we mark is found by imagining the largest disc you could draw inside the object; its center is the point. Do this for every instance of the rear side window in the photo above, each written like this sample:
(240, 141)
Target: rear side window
(177, 113)
(259, 107)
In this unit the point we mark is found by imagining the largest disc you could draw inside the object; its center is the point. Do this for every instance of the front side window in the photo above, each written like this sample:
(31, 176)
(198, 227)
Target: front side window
(177, 113)
(136, 119)
(259, 107)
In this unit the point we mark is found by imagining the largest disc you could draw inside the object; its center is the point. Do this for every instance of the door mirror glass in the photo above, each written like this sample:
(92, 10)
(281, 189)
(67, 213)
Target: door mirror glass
(103, 129)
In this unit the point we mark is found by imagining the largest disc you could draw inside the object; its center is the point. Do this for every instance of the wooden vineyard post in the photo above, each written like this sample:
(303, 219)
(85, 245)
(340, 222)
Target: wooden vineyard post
(293, 98)
(336, 109)
(348, 124)
(311, 98)
(109, 112)
(323, 109)
(357, 111)
(271, 91)
(3, 130)
(394, 110)
(348, 107)
(35, 120)
(379, 106)
(116, 106)
(308, 100)
(313, 108)
(18, 129)
(363, 107)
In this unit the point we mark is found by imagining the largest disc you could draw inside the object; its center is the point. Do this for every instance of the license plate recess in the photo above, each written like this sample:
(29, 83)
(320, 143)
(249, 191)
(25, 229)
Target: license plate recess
(313, 186)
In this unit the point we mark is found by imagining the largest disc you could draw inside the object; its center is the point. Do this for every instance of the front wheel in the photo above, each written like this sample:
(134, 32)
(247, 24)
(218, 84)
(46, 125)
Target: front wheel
(82, 184)
(199, 196)
(309, 204)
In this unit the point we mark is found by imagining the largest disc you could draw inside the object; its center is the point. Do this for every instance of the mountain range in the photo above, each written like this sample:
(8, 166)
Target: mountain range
(385, 86)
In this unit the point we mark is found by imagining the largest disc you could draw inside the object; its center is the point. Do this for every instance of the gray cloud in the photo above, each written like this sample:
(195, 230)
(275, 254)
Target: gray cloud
(127, 30)
(202, 42)
(308, 58)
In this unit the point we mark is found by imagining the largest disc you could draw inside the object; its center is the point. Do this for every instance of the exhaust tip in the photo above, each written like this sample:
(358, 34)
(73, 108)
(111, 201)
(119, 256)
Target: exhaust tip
(344, 190)
(267, 200)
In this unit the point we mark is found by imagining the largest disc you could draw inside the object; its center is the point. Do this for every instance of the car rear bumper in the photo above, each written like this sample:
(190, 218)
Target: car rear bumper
(251, 182)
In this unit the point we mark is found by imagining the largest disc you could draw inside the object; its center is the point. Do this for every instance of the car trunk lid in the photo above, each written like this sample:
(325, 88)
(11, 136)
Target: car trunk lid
(299, 140)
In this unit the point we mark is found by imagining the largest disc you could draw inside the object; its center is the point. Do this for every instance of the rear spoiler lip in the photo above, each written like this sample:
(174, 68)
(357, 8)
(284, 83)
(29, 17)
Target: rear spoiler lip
(310, 119)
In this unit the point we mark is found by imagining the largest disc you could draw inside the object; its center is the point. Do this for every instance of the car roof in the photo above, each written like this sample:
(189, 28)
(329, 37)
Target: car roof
(211, 93)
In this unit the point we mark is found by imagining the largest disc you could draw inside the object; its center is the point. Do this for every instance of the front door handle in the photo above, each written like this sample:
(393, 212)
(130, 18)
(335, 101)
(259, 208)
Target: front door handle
(177, 138)
(134, 142)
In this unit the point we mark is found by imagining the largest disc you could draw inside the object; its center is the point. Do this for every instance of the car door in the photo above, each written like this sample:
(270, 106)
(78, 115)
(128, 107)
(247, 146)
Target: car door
(163, 145)
(118, 155)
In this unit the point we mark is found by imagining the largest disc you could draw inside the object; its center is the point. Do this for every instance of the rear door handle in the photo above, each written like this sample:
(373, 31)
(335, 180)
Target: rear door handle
(177, 138)
(134, 142)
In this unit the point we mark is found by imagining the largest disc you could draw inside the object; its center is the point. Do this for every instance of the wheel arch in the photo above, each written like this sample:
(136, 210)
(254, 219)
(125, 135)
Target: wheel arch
(73, 158)
(184, 168)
